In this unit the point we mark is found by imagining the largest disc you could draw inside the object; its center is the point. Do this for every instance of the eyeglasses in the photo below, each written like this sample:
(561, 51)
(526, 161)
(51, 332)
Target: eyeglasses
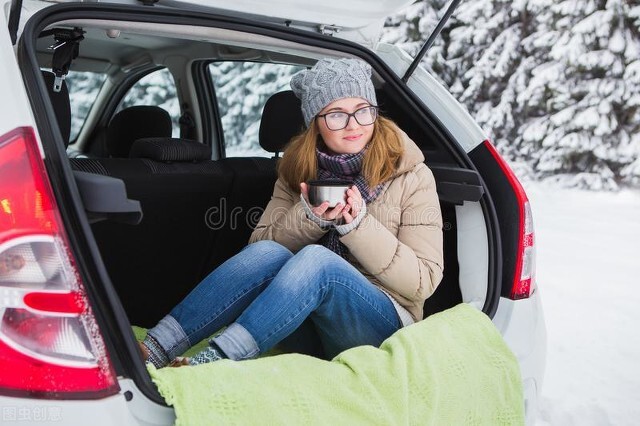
(338, 120)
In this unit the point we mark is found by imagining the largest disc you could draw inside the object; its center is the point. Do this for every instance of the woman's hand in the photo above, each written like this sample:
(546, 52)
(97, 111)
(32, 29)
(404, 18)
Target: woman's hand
(354, 204)
(322, 211)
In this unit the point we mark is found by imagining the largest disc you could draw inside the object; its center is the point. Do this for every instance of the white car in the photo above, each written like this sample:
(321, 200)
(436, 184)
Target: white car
(135, 157)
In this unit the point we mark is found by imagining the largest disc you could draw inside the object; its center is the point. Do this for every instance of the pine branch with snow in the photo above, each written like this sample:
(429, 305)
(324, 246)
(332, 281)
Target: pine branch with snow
(555, 84)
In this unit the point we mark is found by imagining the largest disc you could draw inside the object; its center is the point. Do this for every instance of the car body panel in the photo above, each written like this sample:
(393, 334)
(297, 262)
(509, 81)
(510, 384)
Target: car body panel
(127, 408)
(522, 325)
(15, 109)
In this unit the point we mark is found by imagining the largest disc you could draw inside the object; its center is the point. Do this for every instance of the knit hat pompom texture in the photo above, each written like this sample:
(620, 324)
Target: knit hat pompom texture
(329, 80)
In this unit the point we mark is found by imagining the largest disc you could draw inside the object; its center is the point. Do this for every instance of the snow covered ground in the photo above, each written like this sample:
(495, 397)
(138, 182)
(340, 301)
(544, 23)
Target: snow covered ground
(588, 271)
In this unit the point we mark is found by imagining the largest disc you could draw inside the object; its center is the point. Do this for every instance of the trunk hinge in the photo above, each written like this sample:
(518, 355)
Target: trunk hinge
(427, 44)
(14, 20)
(328, 29)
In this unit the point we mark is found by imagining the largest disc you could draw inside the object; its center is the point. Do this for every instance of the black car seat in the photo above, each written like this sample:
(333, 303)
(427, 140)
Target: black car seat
(255, 177)
(281, 120)
(133, 123)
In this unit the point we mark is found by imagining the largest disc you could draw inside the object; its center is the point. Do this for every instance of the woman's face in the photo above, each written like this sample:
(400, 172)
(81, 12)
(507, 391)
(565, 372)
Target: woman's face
(351, 139)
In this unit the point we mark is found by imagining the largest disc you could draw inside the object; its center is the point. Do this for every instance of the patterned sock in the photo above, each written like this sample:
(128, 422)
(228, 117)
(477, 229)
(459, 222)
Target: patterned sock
(210, 354)
(157, 355)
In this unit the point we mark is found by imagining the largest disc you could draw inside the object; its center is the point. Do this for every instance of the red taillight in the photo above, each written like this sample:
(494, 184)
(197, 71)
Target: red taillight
(50, 345)
(71, 303)
(524, 275)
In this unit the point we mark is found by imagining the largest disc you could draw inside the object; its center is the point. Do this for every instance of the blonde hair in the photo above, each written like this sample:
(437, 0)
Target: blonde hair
(299, 163)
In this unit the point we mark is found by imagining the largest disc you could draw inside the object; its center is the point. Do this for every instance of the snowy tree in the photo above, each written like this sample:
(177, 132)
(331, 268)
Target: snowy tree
(242, 88)
(588, 90)
(83, 88)
(156, 88)
(555, 84)
(410, 28)
(479, 56)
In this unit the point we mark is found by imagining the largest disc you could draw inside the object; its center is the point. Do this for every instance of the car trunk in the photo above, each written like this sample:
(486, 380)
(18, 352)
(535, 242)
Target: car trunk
(137, 271)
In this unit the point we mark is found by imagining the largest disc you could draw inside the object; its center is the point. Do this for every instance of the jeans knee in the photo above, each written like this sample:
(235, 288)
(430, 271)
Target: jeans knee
(312, 263)
(315, 254)
(268, 248)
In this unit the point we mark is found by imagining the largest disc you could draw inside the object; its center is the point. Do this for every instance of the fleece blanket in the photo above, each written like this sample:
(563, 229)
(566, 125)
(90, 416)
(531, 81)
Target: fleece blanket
(453, 368)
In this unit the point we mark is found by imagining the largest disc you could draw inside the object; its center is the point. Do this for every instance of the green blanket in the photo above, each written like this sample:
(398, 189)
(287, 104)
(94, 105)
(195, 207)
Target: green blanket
(453, 368)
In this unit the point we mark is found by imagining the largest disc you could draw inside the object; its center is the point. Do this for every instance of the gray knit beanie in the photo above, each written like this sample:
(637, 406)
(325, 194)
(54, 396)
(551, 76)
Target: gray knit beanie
(329, 80)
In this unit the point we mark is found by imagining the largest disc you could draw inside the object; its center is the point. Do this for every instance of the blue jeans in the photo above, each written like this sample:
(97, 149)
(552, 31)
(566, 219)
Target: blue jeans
(264, 293)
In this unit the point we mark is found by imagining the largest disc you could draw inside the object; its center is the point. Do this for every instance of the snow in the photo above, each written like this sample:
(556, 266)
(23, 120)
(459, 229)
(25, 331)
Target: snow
(587, 272)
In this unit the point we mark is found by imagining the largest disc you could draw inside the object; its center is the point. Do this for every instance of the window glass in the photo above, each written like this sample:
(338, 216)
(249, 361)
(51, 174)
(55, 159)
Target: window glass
(159, 89)
(83, 90)
(242, 89)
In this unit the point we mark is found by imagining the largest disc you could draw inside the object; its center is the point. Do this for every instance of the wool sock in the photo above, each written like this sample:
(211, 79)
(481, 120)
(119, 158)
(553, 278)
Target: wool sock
(157, 356)
(210, 354)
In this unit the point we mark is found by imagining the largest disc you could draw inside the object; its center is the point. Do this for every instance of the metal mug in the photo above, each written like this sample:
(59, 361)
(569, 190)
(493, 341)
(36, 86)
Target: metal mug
(331, 190)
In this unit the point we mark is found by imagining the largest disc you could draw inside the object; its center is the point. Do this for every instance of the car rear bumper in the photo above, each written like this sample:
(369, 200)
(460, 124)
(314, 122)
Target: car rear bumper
(521, 323)
(129, 407)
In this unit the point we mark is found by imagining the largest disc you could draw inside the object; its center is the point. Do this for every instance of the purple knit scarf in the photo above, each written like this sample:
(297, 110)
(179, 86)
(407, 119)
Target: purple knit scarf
(344, 167)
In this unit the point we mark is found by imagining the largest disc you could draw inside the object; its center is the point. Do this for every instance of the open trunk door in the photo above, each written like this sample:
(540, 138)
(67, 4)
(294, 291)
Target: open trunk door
(360, 21)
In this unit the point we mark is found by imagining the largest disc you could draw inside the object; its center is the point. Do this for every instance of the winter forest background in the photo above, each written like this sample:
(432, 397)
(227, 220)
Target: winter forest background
(555, 84)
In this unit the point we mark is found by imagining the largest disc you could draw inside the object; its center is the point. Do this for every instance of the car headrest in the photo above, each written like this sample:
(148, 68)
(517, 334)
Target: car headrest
(281, 120)
(61, 105)
(135, 123)
(170, 149)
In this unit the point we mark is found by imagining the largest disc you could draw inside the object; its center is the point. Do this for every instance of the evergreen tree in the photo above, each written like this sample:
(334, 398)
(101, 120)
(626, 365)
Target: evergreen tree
(157, 88)
(587, 90)
(554, 84)
(83, 88)
(242, 88)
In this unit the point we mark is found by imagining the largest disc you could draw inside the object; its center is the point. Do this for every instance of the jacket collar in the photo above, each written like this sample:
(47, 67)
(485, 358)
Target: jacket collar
(411, 157)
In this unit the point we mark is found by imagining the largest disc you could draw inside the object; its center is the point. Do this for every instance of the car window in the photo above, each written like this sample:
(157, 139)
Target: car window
(157, 88)
(242, 89)
(83, 89)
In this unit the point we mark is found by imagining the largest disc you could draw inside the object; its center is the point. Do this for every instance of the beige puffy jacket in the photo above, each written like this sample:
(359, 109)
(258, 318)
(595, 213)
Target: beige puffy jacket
(397, 245)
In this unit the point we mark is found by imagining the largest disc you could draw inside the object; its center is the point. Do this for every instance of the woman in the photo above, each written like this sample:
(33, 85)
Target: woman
(356, 272)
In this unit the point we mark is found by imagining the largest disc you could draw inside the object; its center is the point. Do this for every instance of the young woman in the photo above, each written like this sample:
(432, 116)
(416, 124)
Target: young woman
(354, 273)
